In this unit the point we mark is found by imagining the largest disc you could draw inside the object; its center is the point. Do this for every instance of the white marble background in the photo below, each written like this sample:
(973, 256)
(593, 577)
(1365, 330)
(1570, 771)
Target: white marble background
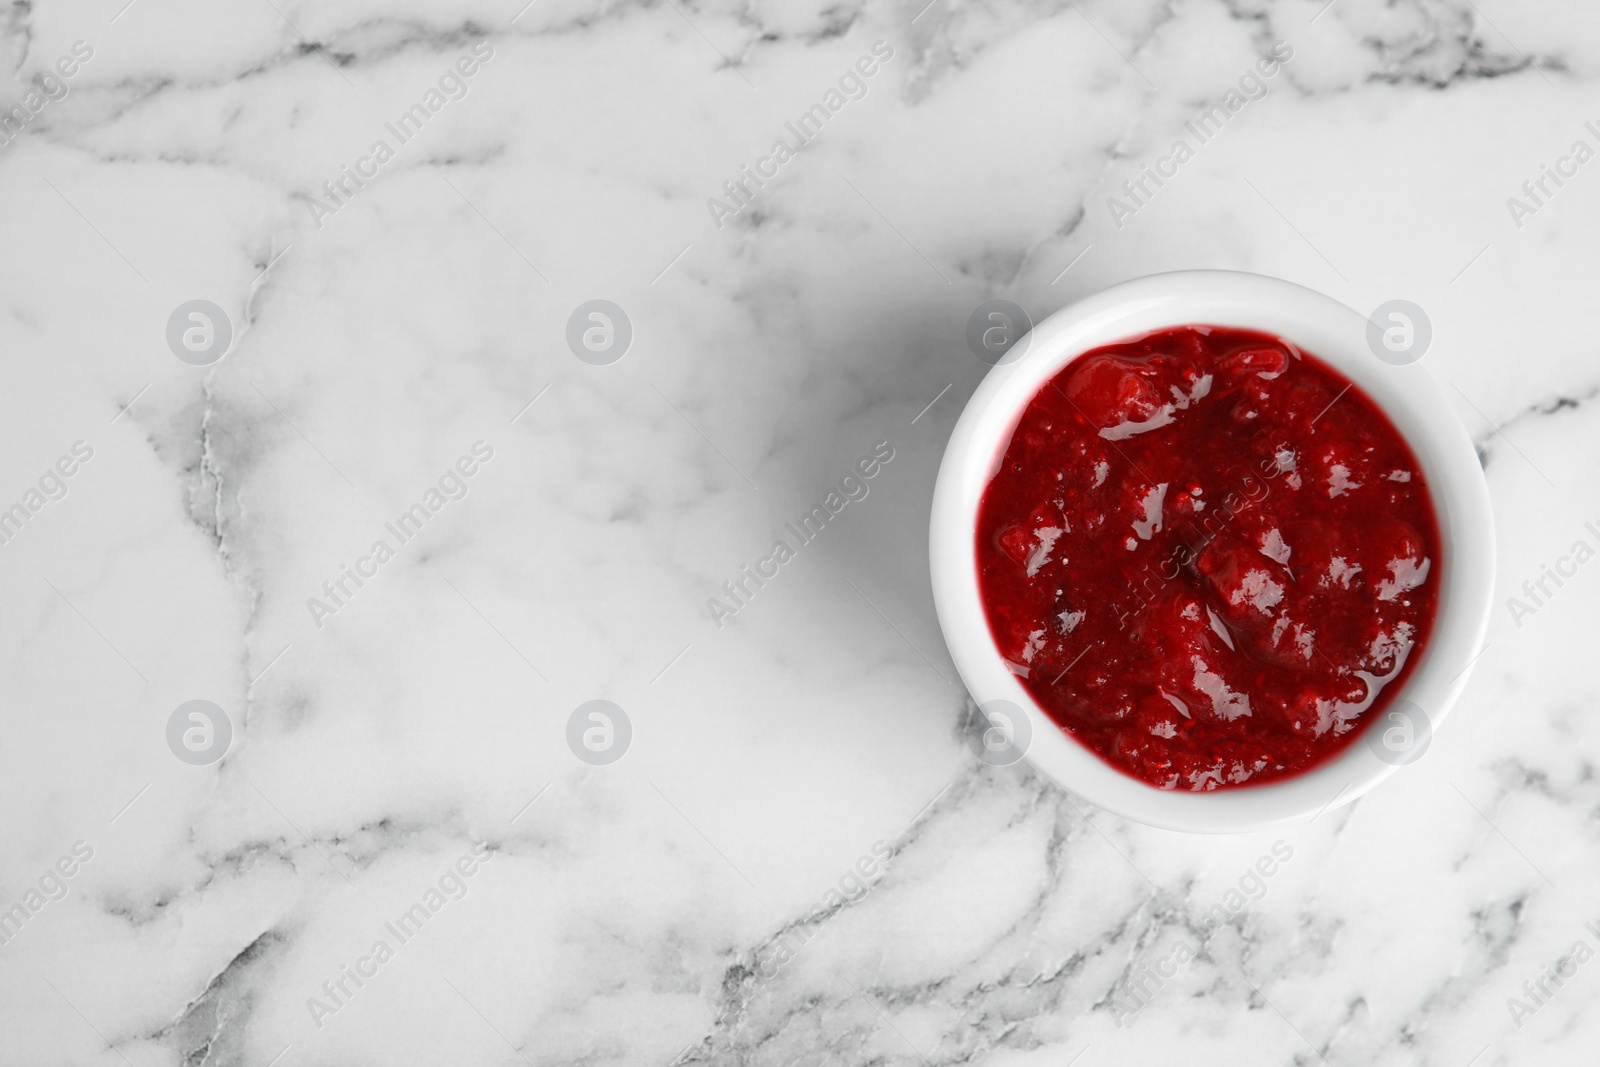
(627, 914)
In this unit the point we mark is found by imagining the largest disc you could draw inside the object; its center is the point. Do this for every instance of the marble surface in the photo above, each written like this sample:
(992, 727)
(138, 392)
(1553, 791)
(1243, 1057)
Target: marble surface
(797, 861)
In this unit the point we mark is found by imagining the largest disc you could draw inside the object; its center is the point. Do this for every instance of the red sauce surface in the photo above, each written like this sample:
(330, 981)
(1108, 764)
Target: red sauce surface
(1208, 556)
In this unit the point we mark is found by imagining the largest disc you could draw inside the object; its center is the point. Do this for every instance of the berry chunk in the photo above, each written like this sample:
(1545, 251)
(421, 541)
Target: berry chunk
(1108, 390)
(1267, 361)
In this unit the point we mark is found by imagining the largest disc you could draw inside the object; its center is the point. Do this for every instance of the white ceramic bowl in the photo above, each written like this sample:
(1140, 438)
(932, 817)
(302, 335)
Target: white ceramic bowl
(1322, 326)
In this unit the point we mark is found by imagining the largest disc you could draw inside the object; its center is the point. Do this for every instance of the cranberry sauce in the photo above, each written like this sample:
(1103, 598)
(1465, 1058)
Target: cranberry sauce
(1208, 556)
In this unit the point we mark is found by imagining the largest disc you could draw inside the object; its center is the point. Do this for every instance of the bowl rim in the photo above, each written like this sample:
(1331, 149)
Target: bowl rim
(1323, 327)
